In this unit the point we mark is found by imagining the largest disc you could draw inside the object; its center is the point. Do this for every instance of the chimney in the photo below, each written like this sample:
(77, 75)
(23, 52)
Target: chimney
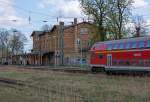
(75, 21)
(61, 23)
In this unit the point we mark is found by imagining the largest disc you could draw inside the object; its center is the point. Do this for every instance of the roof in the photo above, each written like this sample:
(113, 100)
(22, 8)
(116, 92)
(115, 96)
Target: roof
(104, 44)
(68, 26)
(127, 40)
(54, 27)
(37, 33)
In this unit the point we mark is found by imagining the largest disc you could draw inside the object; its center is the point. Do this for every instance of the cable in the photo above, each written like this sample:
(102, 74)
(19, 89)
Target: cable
(31, 12)
(35, 12)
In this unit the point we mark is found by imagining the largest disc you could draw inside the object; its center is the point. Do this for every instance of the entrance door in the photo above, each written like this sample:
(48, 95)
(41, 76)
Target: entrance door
(109, 60)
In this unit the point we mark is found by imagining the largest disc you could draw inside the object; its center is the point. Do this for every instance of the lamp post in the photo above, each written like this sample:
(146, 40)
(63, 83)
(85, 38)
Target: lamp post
(61, 32)
(14, 31)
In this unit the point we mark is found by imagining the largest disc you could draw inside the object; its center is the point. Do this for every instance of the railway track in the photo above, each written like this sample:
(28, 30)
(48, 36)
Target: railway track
(13, 83)
(72, 70)
(62, 69)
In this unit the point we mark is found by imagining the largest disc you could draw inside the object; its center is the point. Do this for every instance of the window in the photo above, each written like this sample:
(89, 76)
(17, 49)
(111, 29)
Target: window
(37, 37)
(148, 44)
(84, 31)
(133, 62)
(84, 60)
(115, 46)
(109, 47)
(134, 45)
(81, 61)
(141, 63)
(141, 44)
(127, 45)
(114, 63)
(121, 62)
(78, 41)
(147, 62)
(121, 46)
(127, 63)
(100, 56)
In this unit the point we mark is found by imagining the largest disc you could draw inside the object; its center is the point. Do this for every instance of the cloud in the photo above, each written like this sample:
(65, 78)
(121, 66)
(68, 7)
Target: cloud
(140, 3)
(8, 15)
(69, 8)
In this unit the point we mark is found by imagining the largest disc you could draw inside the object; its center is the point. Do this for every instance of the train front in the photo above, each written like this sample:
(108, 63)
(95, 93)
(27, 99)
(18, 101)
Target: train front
(98, 57)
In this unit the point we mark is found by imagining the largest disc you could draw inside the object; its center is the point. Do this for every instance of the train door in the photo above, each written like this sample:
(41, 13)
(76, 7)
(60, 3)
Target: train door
(109, 60)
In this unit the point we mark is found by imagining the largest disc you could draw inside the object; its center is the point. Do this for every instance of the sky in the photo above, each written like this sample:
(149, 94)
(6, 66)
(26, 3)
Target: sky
(16, 13)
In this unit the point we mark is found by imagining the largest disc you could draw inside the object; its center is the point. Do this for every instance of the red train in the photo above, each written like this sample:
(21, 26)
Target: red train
(121, 55)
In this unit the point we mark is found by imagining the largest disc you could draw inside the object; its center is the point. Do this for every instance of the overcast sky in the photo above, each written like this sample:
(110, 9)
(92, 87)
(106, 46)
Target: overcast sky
(16, 13)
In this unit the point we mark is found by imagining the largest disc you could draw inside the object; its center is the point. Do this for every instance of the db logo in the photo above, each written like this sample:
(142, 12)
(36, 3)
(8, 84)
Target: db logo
(137, 54)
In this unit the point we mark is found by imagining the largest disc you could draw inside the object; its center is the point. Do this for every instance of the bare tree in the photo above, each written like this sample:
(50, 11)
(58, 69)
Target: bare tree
(4, 35)
(17, 41)
(139, 25)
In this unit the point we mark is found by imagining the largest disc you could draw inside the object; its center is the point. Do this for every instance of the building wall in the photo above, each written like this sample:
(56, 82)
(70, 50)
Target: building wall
(51, 42)
(36, 42)
(72, 48)
(69, 40)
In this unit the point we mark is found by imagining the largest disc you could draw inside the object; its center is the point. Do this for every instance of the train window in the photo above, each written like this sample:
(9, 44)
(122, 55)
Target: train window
(133, 62)
(114, 63)
(147, 62)
(141, 44)
(148, 44)
(134, 45)
(100, 56)
(121, 46)
(127, 45)
(109, 47)
(127, 63)
(115, 46)
(121, 62)
(141, 63)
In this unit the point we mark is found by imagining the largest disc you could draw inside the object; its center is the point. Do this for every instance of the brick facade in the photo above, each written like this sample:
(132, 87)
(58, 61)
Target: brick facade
(72, 40)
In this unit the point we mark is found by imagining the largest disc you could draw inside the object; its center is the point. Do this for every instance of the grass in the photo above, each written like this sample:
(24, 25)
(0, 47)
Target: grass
(52, 86)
